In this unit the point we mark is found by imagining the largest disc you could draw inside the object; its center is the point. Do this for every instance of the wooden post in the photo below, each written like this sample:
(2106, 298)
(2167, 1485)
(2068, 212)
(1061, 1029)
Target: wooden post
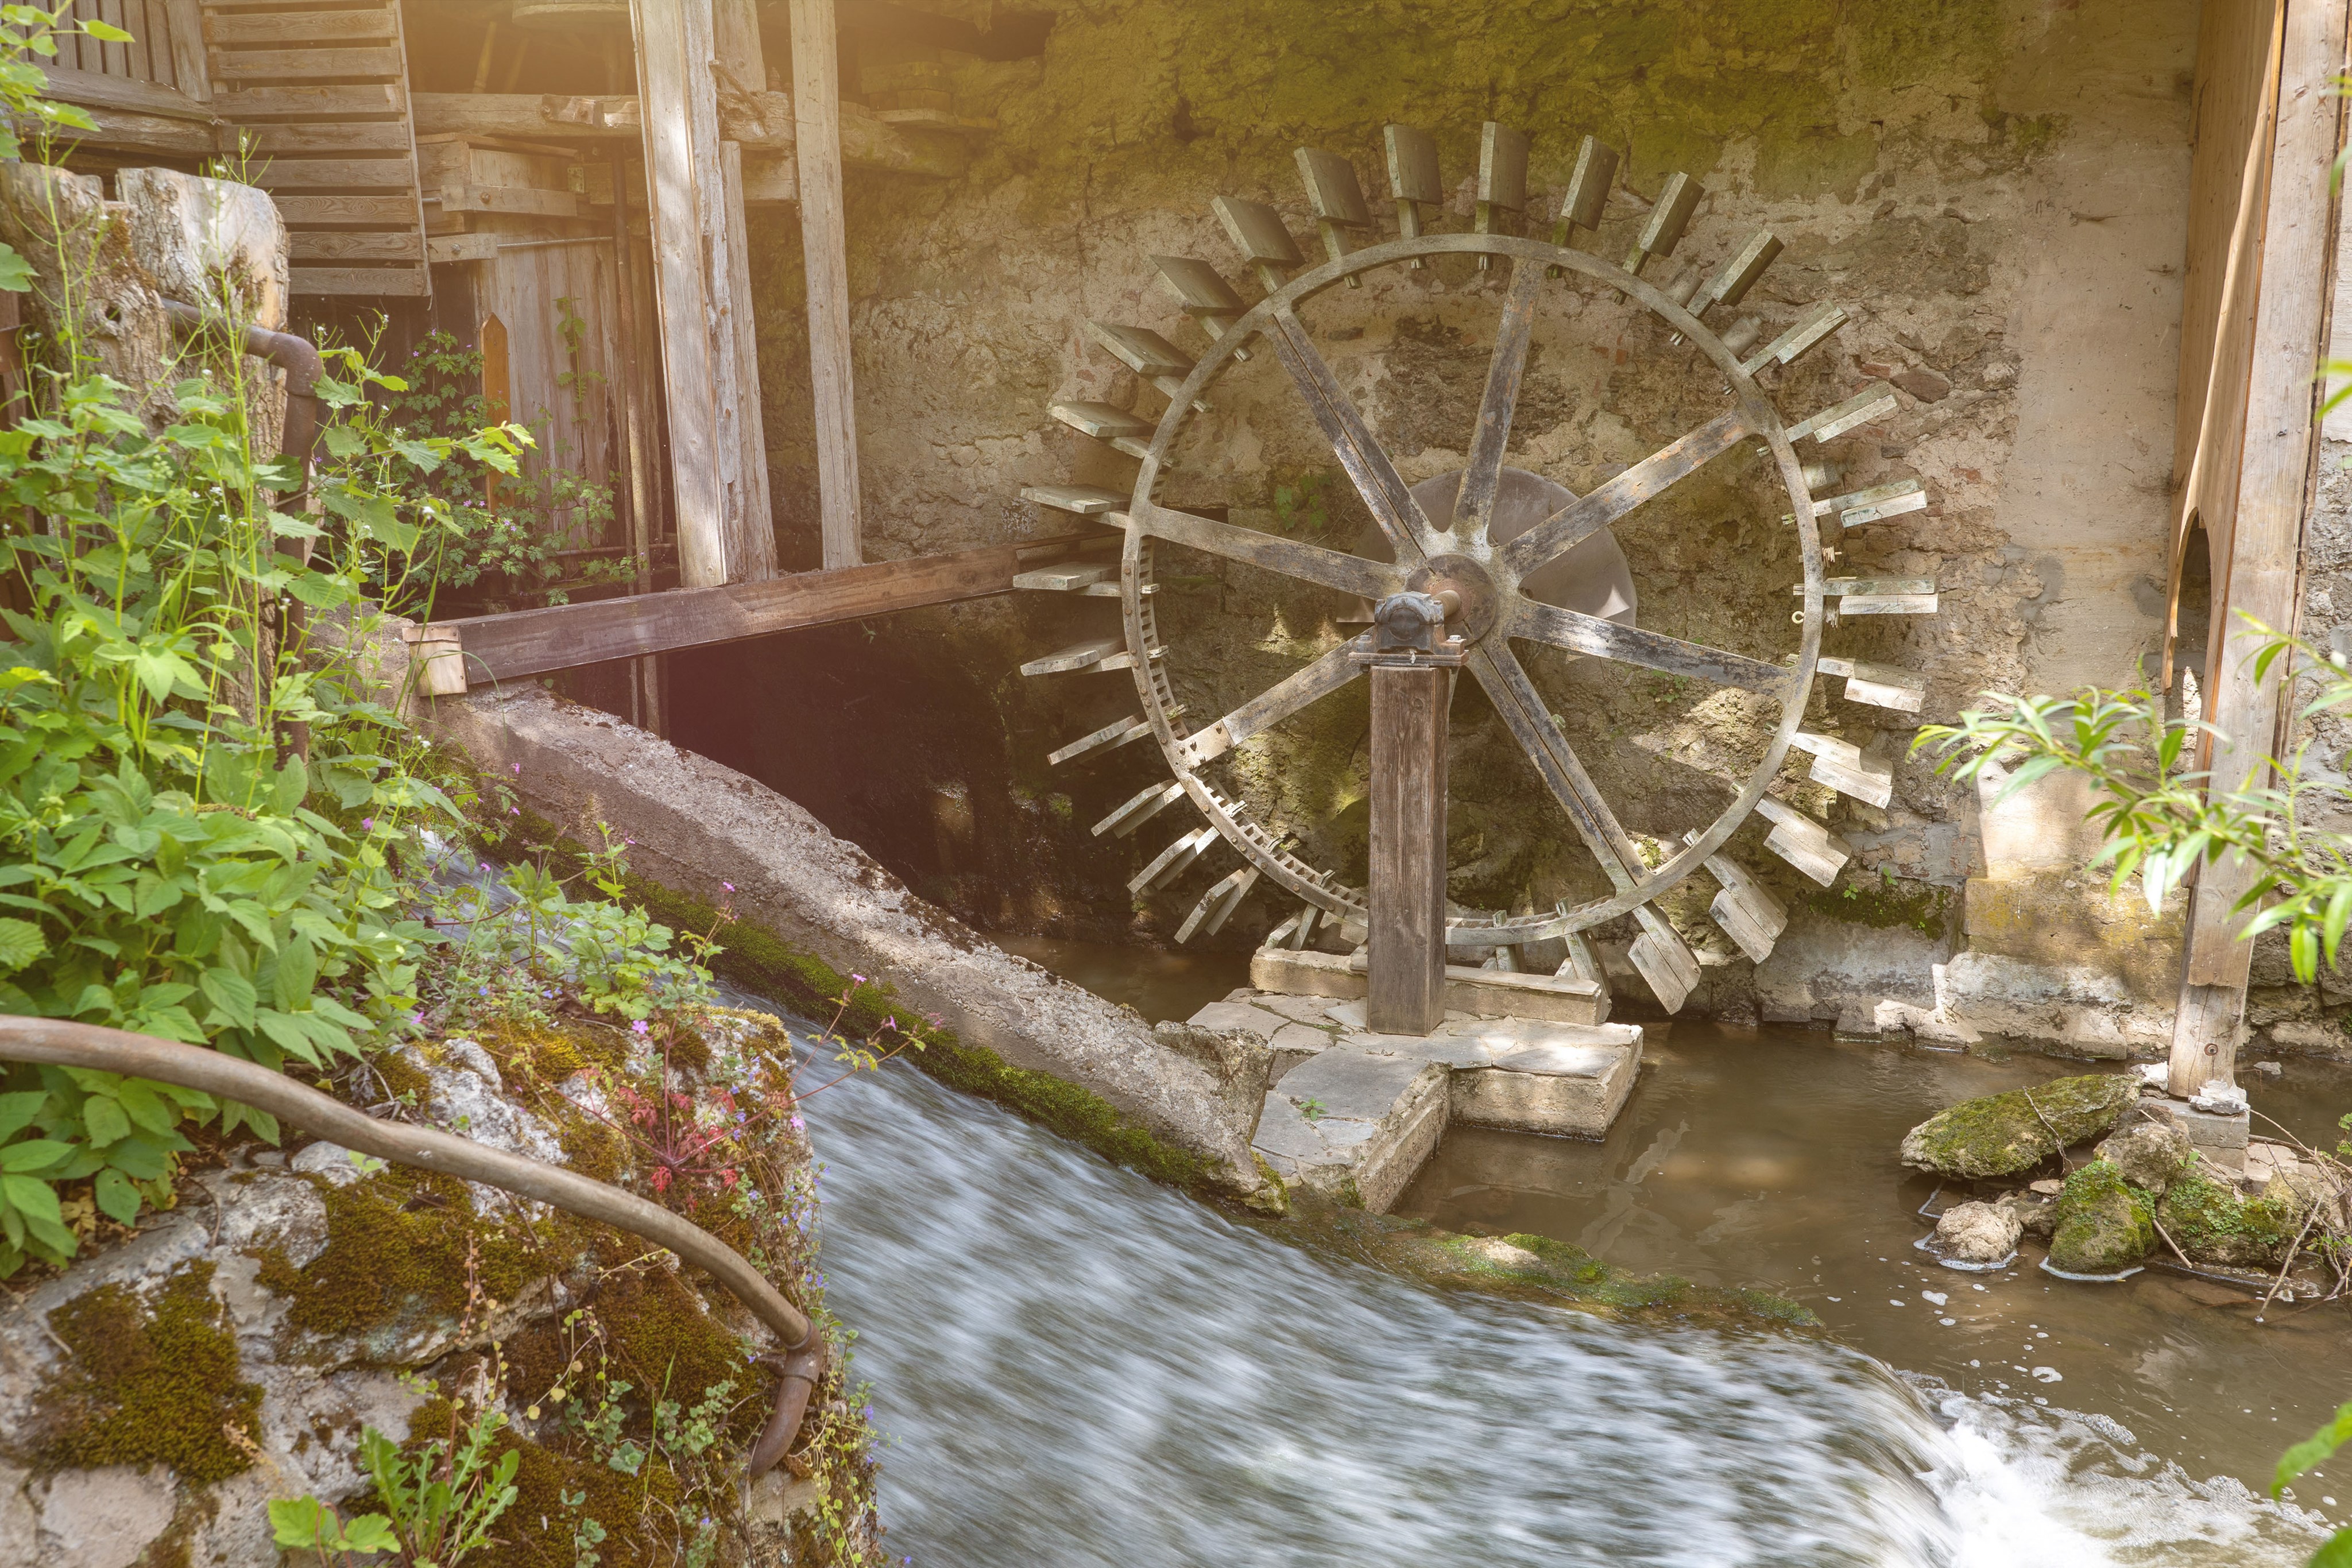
(2257, 570)
(636, 479)
(696, 235)
(816, 111)
(1406, 956)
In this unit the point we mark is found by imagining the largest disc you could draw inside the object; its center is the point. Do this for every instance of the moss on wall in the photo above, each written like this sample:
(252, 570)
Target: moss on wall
(397, 1243)
(150, 1382)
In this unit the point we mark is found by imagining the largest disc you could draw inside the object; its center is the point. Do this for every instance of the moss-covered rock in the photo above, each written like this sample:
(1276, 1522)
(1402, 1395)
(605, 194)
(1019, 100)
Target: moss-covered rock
(2001, 1134)
(152, 1381)
(2103, 1222)
(2213, 1224)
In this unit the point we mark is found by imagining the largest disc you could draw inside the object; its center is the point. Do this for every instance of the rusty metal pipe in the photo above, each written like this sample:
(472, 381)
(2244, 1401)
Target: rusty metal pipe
(57, 1043)
(297, 357)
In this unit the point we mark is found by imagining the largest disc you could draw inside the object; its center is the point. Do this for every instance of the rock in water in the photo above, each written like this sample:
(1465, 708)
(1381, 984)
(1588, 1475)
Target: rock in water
(1977, 1232)
(2103, 1224)
(2149, 1155)
(2001, 1134)
(2037, 1214)
(2214, 1225)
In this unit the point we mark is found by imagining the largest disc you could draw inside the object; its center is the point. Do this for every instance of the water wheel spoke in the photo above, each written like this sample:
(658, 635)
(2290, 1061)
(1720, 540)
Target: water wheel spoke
(1475, 502)
(1359, 451)
(1310, 684)
(1289, 558)
(1524, 710)
(1582, 633)
(1587, 515)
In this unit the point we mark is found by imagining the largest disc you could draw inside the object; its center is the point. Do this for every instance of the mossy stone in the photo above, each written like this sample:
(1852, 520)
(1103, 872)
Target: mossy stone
(2103, 1222)
(2001, 1134)
(2213, 1224)
(151, 1384)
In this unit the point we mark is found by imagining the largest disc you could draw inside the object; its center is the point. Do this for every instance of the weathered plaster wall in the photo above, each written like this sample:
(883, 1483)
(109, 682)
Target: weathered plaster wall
(1996, 189)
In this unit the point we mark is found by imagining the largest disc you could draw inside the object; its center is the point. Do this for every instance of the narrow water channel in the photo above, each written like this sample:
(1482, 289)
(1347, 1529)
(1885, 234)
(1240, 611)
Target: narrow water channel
(1075, 1366)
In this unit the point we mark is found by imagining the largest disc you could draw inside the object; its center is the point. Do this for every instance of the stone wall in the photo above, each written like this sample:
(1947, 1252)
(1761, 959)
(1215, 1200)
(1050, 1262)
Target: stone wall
(1995, 188)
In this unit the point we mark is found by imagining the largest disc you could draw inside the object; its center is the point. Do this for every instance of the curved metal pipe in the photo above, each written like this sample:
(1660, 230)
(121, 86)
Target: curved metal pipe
(297, 357)
(57, 1043)
(797, 1374)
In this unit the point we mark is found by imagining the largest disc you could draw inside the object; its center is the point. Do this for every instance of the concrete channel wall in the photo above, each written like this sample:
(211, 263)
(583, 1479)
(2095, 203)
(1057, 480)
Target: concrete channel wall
(714, 836)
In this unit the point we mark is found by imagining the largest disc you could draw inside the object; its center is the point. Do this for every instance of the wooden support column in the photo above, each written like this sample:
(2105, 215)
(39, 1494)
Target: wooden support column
(697, 234)
(2257, 557)
(742, 62)
(637, 477)
(1406, 955)
(816, 110)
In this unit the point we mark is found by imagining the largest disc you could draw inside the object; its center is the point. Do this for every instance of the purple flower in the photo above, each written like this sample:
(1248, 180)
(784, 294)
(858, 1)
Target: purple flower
(728, 885)
(859, 979)
(638, 1027)
(796, 1123)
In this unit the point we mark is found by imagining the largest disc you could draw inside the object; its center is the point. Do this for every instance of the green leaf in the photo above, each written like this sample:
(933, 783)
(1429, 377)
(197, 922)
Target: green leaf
(370, 1534)
(2335, 1553)
(232, 993)
(117, 1198)
(34, 1154)
(298, 1521)
(145, 1107)
(105, 30)
(137, 1158)
(2312, 1450)
(17, 1111)
(104, 1120)
(15, 272)
(21, 943)
(33, 1199)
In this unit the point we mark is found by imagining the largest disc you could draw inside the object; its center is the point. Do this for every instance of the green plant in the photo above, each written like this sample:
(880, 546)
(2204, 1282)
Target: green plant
(440, 1500)
(2312, 1452)
(528, 941)
(2160, 819)
(1304, 505)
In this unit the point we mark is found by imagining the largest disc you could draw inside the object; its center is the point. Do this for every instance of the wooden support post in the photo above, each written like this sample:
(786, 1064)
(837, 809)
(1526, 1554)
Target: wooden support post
(2258, 562)
(637, 477)
(816, 111)
(1406, 955)
(695, 233)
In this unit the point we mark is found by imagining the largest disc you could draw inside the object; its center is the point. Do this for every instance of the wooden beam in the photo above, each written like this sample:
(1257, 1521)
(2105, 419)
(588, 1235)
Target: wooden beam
(764, 120)
(816, 103)
(2258, 576)
(751, 515)
(740, 60)
(565, 636)
(1406, 951)
(695, 233)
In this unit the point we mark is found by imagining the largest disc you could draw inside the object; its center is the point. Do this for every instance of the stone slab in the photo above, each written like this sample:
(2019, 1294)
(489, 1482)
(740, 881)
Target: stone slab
(1230, 1015)
(1298, 1009)
(1380, 1103)
(1494, 993)
(1292, 1045)
(1376, 1122)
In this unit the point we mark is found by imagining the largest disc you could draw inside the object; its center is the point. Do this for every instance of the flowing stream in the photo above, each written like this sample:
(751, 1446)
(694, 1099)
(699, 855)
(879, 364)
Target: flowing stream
(1075, 1366)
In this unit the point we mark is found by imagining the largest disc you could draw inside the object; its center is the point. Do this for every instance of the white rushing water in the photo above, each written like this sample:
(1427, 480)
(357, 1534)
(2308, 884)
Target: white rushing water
(1075, 1366)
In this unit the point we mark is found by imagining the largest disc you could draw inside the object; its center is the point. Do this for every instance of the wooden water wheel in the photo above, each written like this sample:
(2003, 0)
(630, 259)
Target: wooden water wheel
(1496, 539)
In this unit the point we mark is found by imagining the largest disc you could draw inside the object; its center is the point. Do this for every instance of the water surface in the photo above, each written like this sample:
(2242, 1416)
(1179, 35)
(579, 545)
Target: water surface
(1075, 1366)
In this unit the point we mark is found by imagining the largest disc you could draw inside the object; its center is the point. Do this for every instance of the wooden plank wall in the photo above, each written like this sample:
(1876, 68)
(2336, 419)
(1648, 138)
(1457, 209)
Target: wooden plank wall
(321, 87)
(166, 48)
